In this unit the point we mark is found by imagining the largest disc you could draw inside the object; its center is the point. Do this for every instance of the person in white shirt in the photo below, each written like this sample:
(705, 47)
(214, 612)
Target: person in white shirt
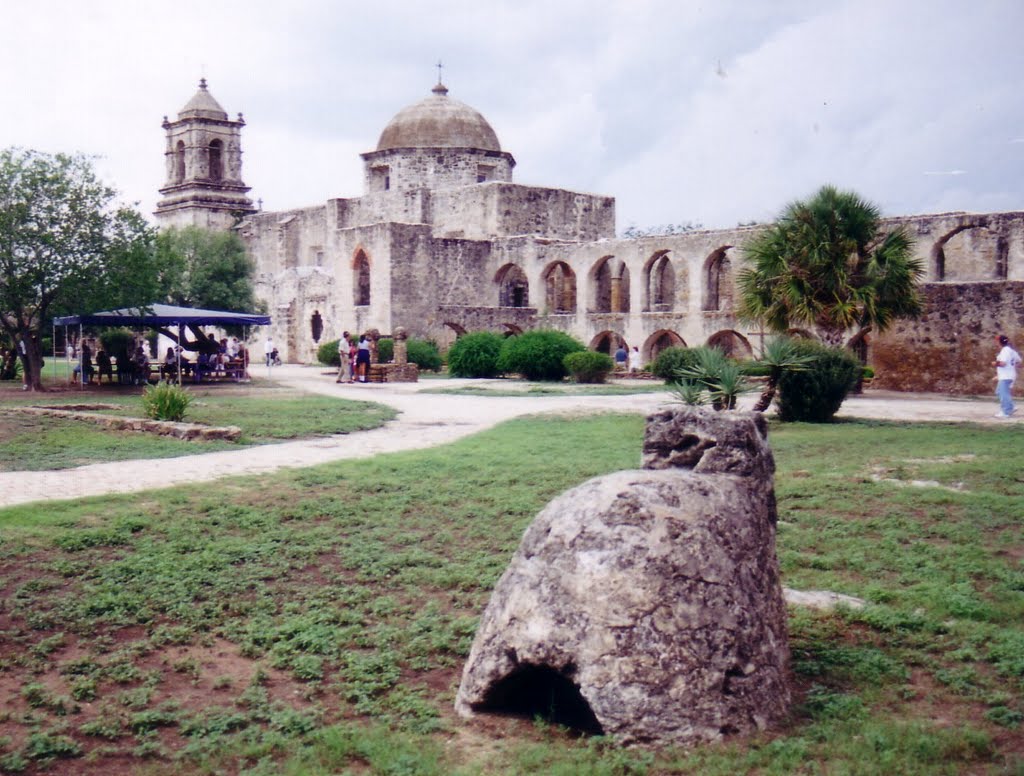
(636, 361)
(1006, 364)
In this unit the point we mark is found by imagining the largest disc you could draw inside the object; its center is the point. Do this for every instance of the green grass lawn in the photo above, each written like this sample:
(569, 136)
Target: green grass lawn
(263, 410)
(316, 621)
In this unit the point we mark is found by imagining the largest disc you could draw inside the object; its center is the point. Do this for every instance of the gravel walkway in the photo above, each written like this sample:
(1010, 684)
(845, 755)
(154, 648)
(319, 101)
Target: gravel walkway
(425, 420)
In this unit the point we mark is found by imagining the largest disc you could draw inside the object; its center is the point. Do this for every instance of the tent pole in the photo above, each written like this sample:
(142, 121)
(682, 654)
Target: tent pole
(81, 360)
(177, 350)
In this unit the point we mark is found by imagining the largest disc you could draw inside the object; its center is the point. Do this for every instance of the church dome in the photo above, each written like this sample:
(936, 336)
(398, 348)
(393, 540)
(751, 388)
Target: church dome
(438, 122)
(202, 106)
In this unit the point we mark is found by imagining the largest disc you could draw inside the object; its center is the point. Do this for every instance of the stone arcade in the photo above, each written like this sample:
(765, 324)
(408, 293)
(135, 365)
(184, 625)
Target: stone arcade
(444, 241)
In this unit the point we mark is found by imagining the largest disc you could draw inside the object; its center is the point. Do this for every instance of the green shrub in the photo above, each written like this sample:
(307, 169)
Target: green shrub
(538, 354)
(588, 366)
(712, 372)
(424, 354)
(165, 401)
(386, 350)
(475, 355)
(671, 360)
(327, 353)
(814, 394)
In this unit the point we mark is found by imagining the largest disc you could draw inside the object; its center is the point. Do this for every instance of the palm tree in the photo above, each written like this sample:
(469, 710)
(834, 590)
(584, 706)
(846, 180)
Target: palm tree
(780, 355)
(826, 264)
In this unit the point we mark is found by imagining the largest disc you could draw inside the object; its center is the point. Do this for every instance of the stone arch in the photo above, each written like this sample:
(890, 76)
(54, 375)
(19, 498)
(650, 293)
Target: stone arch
(179, 162)
(732, 343)
(512, 330)
(532, 691)
(459, 329)
(216, 159)
(718, 280)
(659, 295)
(659, 341)
(513, 286)
(606, 342)
(801, 334)
(559, 288)
(360, 279)
(609, 281)
(970, 251)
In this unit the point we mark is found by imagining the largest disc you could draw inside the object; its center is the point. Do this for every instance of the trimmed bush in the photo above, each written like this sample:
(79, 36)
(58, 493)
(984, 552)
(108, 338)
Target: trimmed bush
(475, 355)
(538, 354)
(386, 350)
(671, 360)
(424, 354)
(165, 401)
(588, 366)
(327, 353)
(815, 394)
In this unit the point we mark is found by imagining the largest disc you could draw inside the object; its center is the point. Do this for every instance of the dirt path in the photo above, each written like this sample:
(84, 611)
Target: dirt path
(425, 420)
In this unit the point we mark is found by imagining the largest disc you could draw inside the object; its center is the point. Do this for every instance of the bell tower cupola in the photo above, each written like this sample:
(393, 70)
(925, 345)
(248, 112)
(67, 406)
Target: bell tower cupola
(203, 155)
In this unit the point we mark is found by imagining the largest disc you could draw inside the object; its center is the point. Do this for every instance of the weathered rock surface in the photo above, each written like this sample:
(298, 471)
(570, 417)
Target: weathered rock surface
(646, 604)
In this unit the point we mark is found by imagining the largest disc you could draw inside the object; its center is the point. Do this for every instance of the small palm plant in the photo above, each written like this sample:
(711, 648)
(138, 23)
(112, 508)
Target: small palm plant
(780, 355)
(713, 376)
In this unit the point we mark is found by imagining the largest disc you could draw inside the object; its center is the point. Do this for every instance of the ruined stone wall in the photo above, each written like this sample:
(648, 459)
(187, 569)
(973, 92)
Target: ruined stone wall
(286, 239)
(404, 207)
(508, 209)
(951, 347)
(427, 273)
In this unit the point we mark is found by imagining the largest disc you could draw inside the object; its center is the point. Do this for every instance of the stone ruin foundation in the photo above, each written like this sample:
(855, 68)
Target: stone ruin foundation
(646, 605)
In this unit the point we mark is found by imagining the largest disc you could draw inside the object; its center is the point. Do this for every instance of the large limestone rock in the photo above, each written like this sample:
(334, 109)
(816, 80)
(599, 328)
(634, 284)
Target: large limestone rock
(646, 604)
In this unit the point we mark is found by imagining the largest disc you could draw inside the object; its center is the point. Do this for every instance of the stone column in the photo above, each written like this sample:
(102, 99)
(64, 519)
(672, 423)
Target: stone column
(616, 301)
(400, 338)
(373, 335)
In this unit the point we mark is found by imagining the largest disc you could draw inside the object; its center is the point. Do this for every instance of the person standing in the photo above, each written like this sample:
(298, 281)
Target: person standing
(268, 350)
(1006, 364)
(621, 356)
(344, 360)
(636, 361)
(363, 358)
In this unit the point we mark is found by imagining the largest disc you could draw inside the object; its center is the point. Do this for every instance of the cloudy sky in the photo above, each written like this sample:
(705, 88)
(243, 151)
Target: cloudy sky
(708, 111)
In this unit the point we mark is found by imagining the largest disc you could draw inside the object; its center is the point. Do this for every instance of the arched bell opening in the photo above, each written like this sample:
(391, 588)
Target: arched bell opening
(533, 691)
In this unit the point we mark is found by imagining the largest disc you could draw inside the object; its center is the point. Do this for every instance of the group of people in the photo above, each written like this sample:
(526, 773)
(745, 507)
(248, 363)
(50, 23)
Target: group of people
(132, 369)
(630, 360)
(353, 359)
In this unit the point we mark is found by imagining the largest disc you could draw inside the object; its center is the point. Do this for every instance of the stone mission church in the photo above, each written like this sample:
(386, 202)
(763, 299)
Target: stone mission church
(443, 241)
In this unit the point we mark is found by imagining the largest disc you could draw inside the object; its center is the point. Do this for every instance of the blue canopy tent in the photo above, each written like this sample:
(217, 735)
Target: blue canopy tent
(163, 315)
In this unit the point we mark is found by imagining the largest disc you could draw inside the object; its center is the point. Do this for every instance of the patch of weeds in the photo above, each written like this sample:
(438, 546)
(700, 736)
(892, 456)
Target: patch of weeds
(308, 667)
(83, 688)
(1004, 717)
(961, 681)
(166, 715)
(108, 724)
(13, 762)
(48, 745)
(292, 722)
(1006, 652)
(189, 666)
(824, 703)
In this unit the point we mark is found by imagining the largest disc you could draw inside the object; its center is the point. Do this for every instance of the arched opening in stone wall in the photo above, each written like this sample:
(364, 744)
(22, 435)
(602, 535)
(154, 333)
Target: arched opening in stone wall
(513, 287)
(659, 284)
(609, 280)
(559, 288)
(606, 342)
(179, 162)
(216, 160)
(969, 252)
(450, 332)
(533, 691)
(717, 280)
(659, 341)
(360, 279)
(732, 343)
(511, 329)
(801, 334)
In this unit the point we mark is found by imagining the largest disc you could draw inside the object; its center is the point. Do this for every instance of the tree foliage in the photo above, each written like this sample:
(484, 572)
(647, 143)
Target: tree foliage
(538, 354)
(475, 354)
(64, 242)
(828, 265)
(203, 268)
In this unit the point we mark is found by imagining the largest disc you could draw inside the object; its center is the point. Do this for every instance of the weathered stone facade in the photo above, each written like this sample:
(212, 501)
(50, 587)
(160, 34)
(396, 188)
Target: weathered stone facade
(443, 241)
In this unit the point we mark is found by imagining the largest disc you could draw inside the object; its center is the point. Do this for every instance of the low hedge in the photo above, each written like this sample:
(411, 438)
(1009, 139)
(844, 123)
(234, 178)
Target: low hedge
(538, 354)
(588, 366)
(475, 354)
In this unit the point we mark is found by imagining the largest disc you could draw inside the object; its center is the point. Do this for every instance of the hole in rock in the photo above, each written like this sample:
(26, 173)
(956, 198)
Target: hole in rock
(540, 691)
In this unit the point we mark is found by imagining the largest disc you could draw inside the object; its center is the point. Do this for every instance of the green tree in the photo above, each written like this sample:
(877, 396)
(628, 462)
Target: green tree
(781, 354)
(64, 241)
(203, 268)
(827, 264)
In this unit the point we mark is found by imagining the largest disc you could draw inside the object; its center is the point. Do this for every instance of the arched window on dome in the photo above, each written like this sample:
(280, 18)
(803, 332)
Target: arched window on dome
(179, 162)
(360, 280)
(216, 160)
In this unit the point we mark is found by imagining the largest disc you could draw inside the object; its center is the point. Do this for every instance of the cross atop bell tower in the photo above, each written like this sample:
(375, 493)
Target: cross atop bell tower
(203, 155)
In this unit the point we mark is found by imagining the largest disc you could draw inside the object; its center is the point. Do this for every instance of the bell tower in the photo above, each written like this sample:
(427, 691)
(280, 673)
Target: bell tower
(204, 184)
